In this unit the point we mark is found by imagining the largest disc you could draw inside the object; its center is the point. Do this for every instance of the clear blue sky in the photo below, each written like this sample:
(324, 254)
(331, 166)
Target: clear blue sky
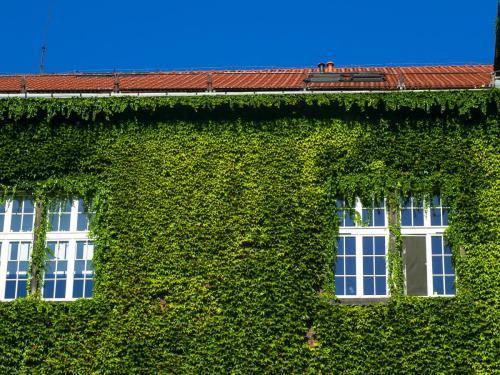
(103, 35)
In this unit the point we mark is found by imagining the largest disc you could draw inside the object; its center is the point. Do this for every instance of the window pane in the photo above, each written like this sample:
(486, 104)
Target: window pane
(27, 223)
(28, 206)
(436, 216)
(367, 266)
(437, 265)
(339, 266)
(379, 217)
(48, 289)
(436, 245)
(350, 246)
(367, 245)
(449, 284)
(448, 266)
(406, 217)
(64, 222)
(379, 266)
(16, 206)
(78, 289)
(10, 289)
(21, 288)
(368, 286)
(438, 284)
(380, 289)
(340, 247)
(350, 286)
(367, 217)
(1, 222)
(339, 286)
(350, 266)
(418, 217)
(15, 224)
(60, 289)
(380, 245)
(82, 222)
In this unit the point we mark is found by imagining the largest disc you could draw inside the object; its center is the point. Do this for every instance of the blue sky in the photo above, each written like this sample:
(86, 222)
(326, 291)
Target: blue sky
(127, 35)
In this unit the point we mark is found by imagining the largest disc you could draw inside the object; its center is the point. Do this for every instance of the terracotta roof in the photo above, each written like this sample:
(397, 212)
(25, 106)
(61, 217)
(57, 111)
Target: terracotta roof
(394, 78)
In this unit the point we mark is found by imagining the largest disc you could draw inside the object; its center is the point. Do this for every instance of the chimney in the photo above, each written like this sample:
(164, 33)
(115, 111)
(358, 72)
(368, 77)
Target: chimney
(321, 67)
(329, 67)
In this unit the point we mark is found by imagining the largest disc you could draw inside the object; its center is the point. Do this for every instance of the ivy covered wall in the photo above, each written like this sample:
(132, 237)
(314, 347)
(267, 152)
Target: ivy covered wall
(225, 208)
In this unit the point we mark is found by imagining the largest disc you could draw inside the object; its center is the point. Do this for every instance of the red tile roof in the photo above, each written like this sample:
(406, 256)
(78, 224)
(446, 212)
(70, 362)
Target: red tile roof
(424, 77)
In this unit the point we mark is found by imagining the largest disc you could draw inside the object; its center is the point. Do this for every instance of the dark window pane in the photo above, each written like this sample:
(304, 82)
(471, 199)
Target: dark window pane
(16, 207)
(448, 266)
(48, 289)
(367, 217)
(380, 245)
(61, 289)
(447, 249)
(80, 245)
(340, 248)
(418, 217)
(27, 223)
(437, 265)
(15, 224)
(67, 206)
(13, 250)
(339, 266)
(449, 284)
(436, 200)
(54, 222)
(62, 265)
(379, 266)
(90, 265)
(445, 216)
(78, 289)
(1, 222)
(367, 245)
(436, 216)
(350, 286)
(21, 288)
(367, 265)
(2, 208)
(10, 289)
(339, 286)
(64, 222)
(350, 245)
(11, 269)
(379, 217)
(80, 266)
(380, 289)
(438, 284)
(350, 266)
(368, 287)
(406, 217)
(23, 267)
(436, 243)
(349, 219)
(28, 206)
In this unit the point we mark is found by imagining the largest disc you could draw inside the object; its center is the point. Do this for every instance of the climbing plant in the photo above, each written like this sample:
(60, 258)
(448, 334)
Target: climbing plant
(216, 222)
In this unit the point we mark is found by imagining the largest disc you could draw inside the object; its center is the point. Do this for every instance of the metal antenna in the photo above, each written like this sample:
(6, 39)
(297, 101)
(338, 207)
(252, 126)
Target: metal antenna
(44, 39)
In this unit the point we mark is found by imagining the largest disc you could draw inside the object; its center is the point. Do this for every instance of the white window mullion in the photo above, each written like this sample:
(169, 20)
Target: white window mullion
(71, 267)
(3, 267)
(359, 266)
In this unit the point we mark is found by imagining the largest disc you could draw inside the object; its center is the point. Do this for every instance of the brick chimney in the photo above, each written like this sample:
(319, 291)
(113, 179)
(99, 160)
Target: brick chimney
(329, 67)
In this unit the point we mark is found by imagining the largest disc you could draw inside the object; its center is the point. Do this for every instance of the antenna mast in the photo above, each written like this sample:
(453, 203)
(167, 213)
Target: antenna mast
(44, 41)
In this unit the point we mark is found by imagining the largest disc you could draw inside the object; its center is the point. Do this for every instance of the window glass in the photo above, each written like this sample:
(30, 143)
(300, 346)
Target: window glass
(374, 266)
(60, 216)
(345, 214)
(17, 269)
(83, 217)
(412, 213)
(84, 270)
(374, 216)
(345, 267)
(22, 215)
(55, 277)
(443, 273)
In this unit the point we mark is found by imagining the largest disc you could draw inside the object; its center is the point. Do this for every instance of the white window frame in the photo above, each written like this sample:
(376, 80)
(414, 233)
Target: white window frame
(360, 231)
(71, 236)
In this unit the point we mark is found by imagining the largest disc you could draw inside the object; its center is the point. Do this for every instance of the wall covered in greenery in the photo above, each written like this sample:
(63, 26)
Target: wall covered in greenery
(225, 208)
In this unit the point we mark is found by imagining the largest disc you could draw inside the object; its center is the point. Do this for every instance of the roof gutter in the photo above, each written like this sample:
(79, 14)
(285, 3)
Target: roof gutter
(63, 95)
